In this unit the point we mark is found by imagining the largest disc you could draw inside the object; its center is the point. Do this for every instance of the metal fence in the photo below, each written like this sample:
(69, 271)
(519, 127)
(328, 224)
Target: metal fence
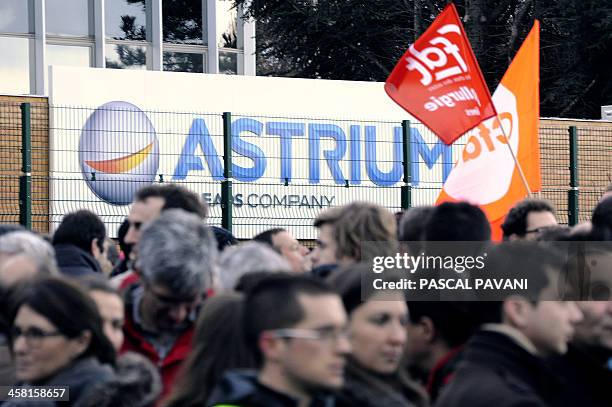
(255, 172)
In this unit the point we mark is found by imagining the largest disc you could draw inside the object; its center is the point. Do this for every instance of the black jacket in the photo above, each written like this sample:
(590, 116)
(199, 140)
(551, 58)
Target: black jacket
(75, 262)
(498, 372)
(82, 378)
(367, 389)
(242, 389)
(586, 379)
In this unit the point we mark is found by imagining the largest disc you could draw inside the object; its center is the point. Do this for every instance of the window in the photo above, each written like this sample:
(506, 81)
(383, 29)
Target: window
(226, 25)
(15, 16)
(182, 21)
(68, 17)
(122, 56)
(15, 65)
(183, 62)
(68, 55)
(228, 62)
(126, 20)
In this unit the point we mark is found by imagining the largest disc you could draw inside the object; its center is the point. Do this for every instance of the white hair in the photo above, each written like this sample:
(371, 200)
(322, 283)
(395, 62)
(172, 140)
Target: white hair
(32, 246)
(250, 257)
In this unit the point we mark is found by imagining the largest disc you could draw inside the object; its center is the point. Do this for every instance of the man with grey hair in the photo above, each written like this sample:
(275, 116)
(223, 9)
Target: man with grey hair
(24, 254)
(251, 257)
(177, 254)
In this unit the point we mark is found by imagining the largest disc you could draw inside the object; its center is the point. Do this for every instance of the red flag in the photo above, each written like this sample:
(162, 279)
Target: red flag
(438, 80)
(486, 174)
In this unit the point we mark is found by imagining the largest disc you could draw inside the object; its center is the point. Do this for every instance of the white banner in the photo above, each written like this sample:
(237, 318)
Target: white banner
(299, 145)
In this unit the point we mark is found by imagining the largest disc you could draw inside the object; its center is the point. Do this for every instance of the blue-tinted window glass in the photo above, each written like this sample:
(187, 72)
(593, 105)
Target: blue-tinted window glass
(68, 17)
(182, 21)
(15, 16)
(126, 19)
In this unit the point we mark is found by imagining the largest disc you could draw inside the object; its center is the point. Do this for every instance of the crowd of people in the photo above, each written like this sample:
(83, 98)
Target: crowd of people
(183, 314)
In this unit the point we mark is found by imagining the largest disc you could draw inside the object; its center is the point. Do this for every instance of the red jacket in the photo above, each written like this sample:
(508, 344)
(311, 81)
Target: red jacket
(169, 367)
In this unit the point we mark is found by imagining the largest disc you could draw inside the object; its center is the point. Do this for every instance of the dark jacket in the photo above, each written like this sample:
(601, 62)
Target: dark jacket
(241, 388)
(7, 366)
(496, 371)
(587, 381)
(82, 377)
(442, 373)
(366, 389)
(74, 261)
(136, 384)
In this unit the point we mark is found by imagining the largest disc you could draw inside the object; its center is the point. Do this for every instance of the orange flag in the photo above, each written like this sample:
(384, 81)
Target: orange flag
(486, 174)
(439, 82)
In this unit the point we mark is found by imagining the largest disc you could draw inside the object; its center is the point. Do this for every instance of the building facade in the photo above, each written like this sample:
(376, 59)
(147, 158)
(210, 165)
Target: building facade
(205, 36)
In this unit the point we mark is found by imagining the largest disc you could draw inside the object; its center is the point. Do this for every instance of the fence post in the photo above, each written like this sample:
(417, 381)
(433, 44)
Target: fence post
(25, 179)
(226, 185)
(407, 152)
(572, 194)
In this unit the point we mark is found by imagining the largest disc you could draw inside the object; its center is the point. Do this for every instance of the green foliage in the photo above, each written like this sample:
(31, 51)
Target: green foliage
(363, 40)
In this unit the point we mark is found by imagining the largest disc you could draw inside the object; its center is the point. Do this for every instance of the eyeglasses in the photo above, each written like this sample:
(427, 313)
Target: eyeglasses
(33, 336)
(173, 301)
(540, 229)
(328, 335)
(136, 225)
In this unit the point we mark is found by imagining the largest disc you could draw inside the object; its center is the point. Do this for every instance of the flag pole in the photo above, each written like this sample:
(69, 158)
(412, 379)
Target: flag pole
(516, 161)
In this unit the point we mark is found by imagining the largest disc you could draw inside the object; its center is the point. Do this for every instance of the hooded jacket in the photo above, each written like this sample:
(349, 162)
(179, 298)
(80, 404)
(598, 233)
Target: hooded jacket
(240, 388)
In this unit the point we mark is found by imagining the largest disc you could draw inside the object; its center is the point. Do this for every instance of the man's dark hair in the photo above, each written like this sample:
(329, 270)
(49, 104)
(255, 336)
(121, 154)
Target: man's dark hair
(516, 220)
(456, 222)
(602, 220)
(539, 262)
(250, 280)
(79, 229)
(175, 196)
(453, 322)
(273, 304)
(224, 238)
(266, 236)
(412, 223)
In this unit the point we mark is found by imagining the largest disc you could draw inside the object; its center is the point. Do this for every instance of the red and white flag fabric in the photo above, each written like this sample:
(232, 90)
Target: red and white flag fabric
(439, 82)
(486, 173)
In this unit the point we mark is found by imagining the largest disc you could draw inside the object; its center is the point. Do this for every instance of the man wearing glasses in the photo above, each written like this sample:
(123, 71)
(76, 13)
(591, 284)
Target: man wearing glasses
(527, 219)
(177, 253)
(296, 327)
